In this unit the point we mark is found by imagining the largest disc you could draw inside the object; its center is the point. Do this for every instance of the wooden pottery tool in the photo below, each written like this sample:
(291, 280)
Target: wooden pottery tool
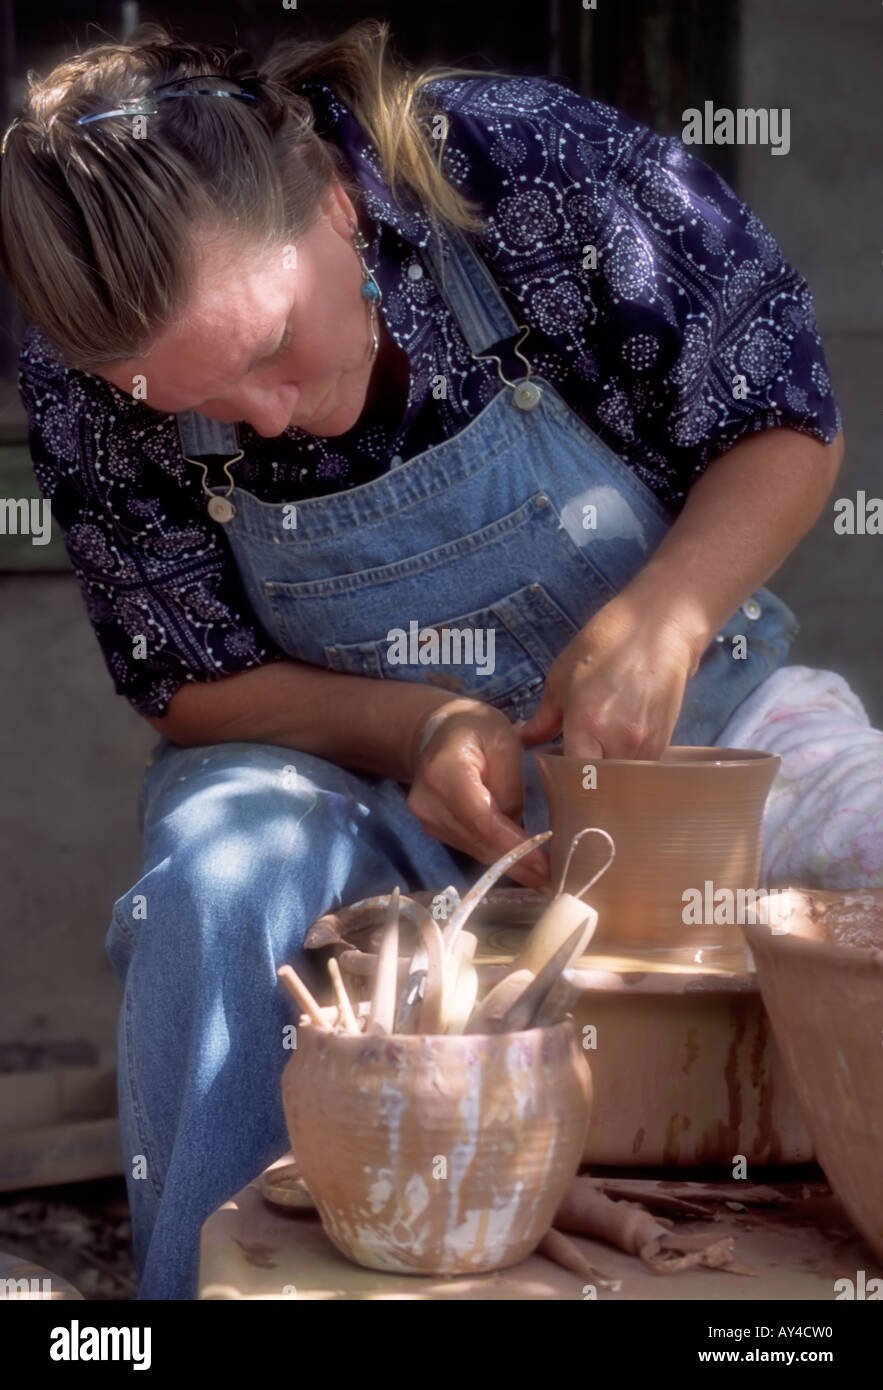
(411, 994)
(563, 915)
(559, 937)
(460, 1000)
(489, 877)
(499, 1001)
(522, 1009)
(564, 995)
(302, 996)
(343, 1000)
(384, 997)
(429, 1017)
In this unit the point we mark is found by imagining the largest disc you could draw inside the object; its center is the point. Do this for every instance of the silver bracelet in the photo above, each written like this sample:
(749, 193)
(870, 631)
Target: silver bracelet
(429, 729)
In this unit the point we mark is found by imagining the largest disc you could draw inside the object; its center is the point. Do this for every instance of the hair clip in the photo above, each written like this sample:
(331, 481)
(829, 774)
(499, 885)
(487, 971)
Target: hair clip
(9, 130)
(147, 106)
(246, 81)
(210, 92)
(136, 106)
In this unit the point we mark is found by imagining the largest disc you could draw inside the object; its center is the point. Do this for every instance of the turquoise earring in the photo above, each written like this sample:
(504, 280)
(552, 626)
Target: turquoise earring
(370, 290)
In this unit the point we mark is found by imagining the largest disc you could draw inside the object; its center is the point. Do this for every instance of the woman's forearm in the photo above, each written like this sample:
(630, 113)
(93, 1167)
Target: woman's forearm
(355, 721)
(741, 519)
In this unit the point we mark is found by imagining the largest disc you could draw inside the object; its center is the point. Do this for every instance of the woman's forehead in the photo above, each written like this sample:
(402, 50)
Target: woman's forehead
(240, 297)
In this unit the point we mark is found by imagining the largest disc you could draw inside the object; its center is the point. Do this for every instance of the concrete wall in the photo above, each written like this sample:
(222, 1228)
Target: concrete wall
(72, 756)
(823, 201)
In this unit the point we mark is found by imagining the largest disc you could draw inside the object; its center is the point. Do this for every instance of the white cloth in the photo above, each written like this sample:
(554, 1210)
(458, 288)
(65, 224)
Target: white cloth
(823, 823)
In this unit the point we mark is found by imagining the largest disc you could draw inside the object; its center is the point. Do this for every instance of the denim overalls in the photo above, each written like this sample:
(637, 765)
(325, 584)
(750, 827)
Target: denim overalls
(522, 525)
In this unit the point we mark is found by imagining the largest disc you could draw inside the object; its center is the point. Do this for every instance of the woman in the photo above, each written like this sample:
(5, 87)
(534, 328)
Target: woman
(324, 355)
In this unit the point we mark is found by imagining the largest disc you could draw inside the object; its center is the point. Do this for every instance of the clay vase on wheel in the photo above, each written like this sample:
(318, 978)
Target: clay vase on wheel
(687, 831)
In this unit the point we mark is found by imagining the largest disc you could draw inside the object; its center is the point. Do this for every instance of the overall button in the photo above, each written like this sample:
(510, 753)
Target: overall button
(751, 608)
(526, 395)
(219, 509)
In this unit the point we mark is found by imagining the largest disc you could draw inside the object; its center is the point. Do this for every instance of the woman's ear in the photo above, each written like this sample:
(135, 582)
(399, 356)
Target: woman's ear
(339, 210)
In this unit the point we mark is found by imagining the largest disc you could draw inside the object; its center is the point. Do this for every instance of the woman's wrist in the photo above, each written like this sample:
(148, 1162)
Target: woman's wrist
(657, 602)
(428, 723)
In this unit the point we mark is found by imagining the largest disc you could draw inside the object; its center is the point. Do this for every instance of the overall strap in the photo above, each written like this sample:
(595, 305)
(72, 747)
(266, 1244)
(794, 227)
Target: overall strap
(200, 435)
(469, 289)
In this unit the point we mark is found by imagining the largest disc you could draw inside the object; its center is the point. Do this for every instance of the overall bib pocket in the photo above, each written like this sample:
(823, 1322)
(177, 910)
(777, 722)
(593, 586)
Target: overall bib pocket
(521, 576)
(500, 654)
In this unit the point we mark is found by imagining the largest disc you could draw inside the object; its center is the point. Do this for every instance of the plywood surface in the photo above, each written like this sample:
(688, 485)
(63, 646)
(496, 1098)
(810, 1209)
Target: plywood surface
(252, 1250)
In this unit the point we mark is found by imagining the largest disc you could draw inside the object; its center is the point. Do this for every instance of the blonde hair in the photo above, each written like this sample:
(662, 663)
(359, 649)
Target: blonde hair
(97, 229)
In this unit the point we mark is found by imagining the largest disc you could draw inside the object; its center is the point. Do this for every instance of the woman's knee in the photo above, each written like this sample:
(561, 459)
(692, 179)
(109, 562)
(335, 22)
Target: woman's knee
(245, 841)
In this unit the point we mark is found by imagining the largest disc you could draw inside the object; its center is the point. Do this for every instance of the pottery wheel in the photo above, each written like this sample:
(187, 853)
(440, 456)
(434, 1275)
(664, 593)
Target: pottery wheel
(502, 922)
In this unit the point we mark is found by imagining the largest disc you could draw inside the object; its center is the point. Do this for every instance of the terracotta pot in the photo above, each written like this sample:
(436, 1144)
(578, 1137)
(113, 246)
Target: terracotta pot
(437, 1154)
(689, 820)
(822, 982)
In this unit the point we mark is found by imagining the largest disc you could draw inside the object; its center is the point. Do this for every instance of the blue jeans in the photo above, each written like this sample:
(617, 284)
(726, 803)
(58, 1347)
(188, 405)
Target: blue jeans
(245, 845)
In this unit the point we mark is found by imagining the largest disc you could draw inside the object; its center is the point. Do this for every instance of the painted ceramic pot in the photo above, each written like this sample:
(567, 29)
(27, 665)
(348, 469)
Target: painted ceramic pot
(821, 976)
(437, 1154)
(687, 831)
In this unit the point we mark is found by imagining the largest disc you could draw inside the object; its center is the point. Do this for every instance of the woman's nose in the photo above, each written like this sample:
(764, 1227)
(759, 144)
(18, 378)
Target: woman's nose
(269, 418)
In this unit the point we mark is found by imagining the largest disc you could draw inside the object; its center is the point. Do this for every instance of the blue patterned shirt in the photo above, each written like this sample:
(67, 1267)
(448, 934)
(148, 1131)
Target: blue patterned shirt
(659, 307)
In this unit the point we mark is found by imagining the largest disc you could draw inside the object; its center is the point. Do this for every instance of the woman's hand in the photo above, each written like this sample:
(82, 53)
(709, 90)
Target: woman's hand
(467, 786)
(616, 689)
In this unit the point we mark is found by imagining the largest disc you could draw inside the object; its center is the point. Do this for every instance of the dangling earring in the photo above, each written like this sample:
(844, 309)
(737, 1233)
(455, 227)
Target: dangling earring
(370, 291)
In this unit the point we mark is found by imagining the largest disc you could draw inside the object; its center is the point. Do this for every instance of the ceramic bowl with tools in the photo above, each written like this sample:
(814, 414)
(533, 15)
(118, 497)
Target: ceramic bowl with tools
(436, 1131)
(444, 1154)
